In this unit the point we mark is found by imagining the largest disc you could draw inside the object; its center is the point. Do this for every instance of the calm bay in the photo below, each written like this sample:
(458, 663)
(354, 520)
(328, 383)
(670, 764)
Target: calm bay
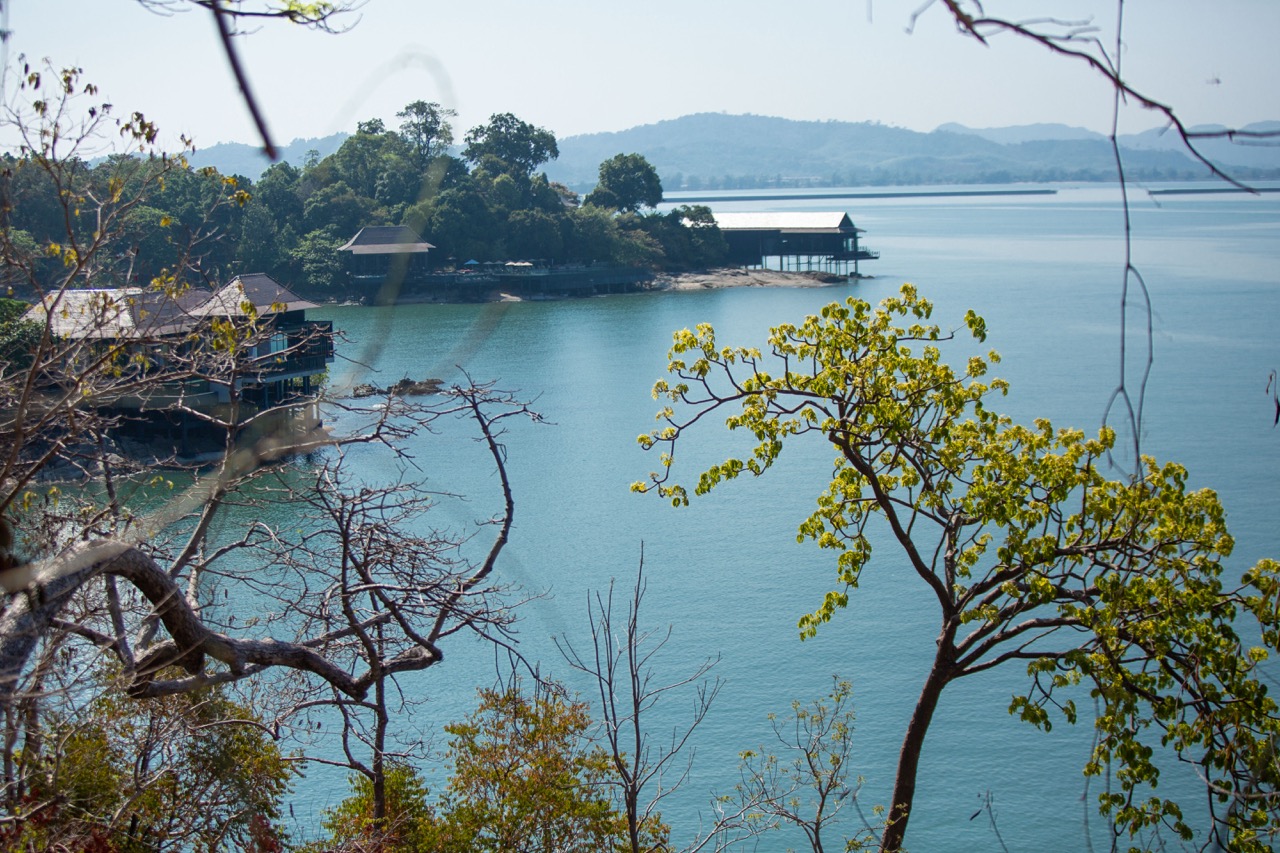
(727, 574)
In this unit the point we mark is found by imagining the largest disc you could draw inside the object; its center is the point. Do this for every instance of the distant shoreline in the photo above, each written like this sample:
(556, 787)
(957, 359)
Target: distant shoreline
(1213, 190)
(713, 279)
(699, 199)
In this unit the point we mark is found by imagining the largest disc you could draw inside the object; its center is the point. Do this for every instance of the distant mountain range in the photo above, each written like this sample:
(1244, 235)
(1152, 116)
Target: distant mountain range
(719, 151)
(1241, 153)
(713, 150)
(237, 158)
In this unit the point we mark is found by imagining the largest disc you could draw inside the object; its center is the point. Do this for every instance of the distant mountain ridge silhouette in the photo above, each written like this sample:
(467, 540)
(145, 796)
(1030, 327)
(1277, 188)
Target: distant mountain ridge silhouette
(718, 150)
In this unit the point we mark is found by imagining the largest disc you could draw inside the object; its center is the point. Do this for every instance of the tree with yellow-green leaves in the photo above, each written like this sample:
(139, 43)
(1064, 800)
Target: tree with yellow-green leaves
(1114, 589)
(526, 778)
(191, 772)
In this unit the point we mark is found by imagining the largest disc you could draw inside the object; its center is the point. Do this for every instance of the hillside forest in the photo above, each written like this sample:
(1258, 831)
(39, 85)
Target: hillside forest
(489, 201)
(717, 152)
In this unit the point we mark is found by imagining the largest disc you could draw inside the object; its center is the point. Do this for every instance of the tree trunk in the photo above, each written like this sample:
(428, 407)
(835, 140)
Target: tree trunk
(381, 724)
(633, 819)
(904, 786)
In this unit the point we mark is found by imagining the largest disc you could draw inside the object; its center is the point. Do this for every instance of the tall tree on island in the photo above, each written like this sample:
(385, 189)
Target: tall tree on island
(427, 130)
(627, 182)
(518, 144)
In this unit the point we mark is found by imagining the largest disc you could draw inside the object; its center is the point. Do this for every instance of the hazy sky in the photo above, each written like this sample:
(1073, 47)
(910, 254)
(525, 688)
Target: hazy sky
(580, 66)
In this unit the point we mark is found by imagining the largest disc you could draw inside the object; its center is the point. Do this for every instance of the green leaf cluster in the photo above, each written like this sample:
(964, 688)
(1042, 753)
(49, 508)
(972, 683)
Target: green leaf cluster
(526, 778)
(409, 823)
(187, 772)
(1032, 554)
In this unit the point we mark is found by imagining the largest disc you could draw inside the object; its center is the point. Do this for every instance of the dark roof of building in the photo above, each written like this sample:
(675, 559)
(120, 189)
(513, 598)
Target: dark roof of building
(386, 240)
(266, 295)
(165, 314)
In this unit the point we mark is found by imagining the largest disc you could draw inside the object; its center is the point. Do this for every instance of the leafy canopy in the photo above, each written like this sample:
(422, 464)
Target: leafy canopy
(525, 778)
(520, 146)
(409, 823)
(195, 771)
(1031, 553)
(627, 182)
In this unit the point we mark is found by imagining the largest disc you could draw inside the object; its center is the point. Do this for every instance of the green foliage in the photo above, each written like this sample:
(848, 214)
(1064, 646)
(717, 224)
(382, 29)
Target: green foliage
(409, 824)
(337, 208)
(525, 778)
(534, 234)
(315, 261)
(518, 145)
(463, 226)
(58, 210)
(627, 183)
(18, 337)
(278, 190)
(291, 222)
(1032, 554)
(364, 157)
(427, 131)
(688, 236)
(259, 247)
(186, 772)
(636, 246)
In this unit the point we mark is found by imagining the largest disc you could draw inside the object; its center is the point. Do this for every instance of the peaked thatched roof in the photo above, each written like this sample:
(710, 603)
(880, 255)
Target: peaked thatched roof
(266, 295)
(135, 312)
(110, 313)
(386, 240)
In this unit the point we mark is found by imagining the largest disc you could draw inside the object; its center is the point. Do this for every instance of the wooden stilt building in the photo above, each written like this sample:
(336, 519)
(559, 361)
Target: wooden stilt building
(795, 241)
(386, 255)
(170, 337)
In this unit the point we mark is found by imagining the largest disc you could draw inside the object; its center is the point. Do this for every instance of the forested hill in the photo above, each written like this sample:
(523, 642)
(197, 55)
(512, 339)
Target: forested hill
(237, 158)
(714, 150)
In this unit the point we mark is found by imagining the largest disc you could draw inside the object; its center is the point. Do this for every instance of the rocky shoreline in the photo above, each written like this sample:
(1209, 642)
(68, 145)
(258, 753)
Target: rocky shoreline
(695, 281)
(714, 279)
(738, 277)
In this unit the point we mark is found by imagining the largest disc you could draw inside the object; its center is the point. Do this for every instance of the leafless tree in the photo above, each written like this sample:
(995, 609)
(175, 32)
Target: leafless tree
(352, 596)
(1080, 41)
(807, 785)
(396, 593)
(622, 664)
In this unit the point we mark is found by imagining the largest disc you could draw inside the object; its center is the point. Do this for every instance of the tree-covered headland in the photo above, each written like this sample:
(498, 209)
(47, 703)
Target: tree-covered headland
(485, 201)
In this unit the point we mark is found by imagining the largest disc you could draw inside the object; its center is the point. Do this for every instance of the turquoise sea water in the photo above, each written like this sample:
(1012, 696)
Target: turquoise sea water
(727, 574)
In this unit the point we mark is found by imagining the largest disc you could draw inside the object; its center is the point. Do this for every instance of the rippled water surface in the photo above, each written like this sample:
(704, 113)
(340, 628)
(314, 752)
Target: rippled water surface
(727, 574)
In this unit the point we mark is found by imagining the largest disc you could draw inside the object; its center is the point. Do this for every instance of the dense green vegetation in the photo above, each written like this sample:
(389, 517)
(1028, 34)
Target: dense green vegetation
(189, 772)
(18, 337)
(489, 204)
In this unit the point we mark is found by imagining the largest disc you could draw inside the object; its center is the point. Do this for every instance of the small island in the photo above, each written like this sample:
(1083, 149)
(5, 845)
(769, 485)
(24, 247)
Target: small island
(403, 214)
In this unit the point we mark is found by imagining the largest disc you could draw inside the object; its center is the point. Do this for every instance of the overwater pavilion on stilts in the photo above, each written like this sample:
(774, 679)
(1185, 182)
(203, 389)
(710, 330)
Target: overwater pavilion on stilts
(794, 241)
